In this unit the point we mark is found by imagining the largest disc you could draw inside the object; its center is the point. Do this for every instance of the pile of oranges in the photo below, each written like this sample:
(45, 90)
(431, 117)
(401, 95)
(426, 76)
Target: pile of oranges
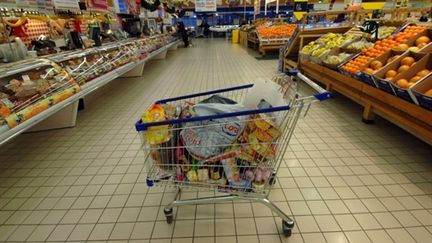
(354, 65)
(276, 31)
(396, 42)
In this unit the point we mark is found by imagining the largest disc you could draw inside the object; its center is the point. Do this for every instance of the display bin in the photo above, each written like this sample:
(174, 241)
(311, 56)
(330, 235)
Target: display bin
(420, 89)
(424, 63)
(379, 76)
(30, 87)
(83, 65)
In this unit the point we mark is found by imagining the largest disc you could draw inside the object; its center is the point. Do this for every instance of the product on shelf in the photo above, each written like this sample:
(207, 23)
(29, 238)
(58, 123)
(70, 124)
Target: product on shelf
(276, 31)
(331, 40)
(383, 32)
(358, 46)
(399, 43)
(27, 90)
(353, 66)
(335, 60)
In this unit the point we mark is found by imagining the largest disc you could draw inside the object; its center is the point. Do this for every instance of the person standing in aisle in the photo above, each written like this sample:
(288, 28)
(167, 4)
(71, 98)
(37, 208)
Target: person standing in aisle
(183, 34)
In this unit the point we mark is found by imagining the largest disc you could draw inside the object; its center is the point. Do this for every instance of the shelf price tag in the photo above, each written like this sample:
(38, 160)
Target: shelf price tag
(66, 4)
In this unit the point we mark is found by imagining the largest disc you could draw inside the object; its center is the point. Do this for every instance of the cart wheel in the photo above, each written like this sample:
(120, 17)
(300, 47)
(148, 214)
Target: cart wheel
(169, 215)
(287, 228)
(272, 180)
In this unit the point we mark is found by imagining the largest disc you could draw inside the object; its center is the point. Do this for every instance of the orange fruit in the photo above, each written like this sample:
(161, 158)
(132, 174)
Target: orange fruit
(392, 58)
(375, 65)
(428, 93)
(368, 70)
(422, 39)
(423, 73)
(390, 74)
(403, 83)
(407, 61)
(403, 68)
(415, 79)
(421, 45)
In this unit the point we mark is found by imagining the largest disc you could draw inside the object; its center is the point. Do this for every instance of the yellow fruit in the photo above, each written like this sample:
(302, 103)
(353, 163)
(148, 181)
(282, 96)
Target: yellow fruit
(403, 83)
(423, 39)
(407, 61)
(423, 73)
(421, 45)
(428, 93)
(368, 70)
(390, 74)
(403, 68)
(415, 79)
(375, 65)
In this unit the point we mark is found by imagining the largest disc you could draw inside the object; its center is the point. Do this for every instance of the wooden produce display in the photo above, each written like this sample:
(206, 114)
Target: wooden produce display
(243, 40)
(306, 33)
(409, 116)
(272, 37)
(392, 79)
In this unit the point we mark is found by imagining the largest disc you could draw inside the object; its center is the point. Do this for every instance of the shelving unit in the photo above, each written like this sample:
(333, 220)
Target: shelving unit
(6, 134)
(408, 116)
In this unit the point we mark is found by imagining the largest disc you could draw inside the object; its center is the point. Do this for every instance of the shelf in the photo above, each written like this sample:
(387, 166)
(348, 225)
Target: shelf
(410, 117)
(6, 133)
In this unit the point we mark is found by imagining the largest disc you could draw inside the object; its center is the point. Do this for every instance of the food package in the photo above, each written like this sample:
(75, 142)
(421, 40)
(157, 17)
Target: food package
(258, 139)
(208, 138)
(41, 105)
(155, 134)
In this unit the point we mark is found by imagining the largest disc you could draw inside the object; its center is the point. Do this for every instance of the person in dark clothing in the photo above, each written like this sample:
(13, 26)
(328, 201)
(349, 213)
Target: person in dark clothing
(183, 34)
(423, 17)
(206, 28)
(340, 18)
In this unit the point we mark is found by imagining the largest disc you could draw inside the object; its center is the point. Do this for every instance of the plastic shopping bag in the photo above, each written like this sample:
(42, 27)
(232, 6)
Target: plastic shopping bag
(207, 138)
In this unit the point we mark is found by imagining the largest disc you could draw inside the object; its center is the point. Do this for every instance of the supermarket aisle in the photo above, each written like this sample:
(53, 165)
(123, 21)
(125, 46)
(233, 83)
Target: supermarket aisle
(343, 181)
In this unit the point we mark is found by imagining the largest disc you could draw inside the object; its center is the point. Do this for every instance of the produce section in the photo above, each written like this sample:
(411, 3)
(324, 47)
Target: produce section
(390, 77)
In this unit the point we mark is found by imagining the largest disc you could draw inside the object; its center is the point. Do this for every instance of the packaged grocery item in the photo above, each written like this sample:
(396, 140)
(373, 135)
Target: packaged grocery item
(258, 139)
(204, 139)
(155, 134)
(232, 173)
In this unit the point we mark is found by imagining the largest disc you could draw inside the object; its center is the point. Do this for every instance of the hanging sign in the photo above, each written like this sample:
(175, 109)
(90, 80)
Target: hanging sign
(27, 3)
(66, 4)
(257, 7)
(401, 3)
(132, 6)
(127, 7)
(97, 5)
(7, 1)
(205, 6)
(120, 6)
(45, 5)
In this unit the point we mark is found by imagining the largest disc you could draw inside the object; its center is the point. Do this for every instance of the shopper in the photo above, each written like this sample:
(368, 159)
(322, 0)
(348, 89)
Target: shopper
(424, 17)
(183, 33)
(206, 28)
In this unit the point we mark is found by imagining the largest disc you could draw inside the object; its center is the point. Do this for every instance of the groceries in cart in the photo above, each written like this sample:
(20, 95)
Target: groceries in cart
(216, 141)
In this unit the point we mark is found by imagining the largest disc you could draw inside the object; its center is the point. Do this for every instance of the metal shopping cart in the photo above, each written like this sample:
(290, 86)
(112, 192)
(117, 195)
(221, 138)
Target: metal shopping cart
(235, 154)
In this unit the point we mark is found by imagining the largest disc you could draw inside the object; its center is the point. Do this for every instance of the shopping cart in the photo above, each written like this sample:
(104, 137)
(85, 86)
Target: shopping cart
(187, 151)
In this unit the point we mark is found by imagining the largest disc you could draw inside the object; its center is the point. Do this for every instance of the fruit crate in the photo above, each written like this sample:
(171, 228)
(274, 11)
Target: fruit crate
(419, 92)
(384, 85)
(341, 70)
(367, 78)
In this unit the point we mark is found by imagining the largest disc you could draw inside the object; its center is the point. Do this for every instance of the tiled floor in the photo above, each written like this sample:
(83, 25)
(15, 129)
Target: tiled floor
(343, 181)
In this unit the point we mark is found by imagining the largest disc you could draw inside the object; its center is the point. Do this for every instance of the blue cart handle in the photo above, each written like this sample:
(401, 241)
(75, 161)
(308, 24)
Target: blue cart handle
(140, 126)
(322, 93)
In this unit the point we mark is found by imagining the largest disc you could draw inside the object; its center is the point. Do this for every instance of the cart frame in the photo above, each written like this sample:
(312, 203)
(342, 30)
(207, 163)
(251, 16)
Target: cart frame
(287, 222)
